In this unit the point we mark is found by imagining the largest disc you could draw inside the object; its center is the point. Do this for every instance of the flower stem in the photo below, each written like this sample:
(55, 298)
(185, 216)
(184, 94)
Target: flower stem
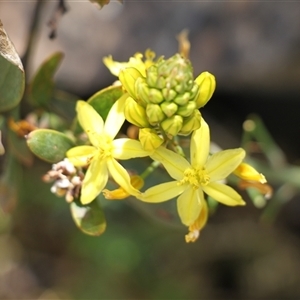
(150, 169)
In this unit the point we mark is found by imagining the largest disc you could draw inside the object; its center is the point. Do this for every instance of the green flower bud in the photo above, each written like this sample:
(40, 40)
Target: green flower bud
(149, 139)
(194, 91)
(191, 123)
(142, 92)
(161, 82)
(182, 99)
(155, 96)
(174, 74)
(168, 94)
(186, 110)
(152, 76)
(135, 113)
(169, 108)
(178, 73)
(128, 78)
(207, 85)
(154, 113)
(173, 125)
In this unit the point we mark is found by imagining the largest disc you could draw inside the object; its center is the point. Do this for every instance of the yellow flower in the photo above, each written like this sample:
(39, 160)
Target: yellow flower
(248, 173)
(136, 62)
(194, 179)
(102, 155)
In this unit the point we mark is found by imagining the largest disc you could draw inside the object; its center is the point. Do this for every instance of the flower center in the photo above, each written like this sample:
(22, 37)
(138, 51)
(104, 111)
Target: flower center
(196, 177)
(105, 147)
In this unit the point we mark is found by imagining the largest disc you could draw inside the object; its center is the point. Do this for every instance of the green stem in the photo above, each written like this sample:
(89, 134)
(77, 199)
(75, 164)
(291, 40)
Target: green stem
(282, 196)
(154, 165)
(176, 146)
(255, 128)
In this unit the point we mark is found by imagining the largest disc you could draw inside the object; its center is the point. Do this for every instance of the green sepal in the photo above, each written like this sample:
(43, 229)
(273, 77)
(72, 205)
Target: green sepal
(49, 145)
(12, 76)
(41, 89)
(90, 219)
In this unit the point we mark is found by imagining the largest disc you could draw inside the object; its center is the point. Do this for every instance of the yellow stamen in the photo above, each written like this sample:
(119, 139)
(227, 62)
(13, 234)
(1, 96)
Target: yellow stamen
(196, 177)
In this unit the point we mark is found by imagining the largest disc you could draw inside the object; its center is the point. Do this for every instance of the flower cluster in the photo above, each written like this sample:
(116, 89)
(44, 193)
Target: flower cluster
(162, 99)
(67, 180)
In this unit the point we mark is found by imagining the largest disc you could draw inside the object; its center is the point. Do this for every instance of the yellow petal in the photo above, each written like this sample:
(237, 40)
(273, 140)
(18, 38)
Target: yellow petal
(200, 143)
(189, 205)
(223, 194)
(126, 148)
(174, 163)
(114, 66)
(90, 121)
(200, 222)
(247, 172)
(119, 193)
(81, 155)
(137, 62)
(94, 181)
(121, 177)
(223, 163)
(162, 192)
(115, 117)
(207, 86)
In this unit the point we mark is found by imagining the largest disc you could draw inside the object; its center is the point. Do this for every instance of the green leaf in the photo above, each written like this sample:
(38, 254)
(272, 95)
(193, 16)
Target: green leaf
(103, 100)
(89, 219)
(41, 89)
(12, 77)
(63, 104)
(49, 145)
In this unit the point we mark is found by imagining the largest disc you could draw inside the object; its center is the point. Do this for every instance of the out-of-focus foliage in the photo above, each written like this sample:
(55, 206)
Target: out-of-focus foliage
(89, 218)
(41, 88)
(12, 77)
(49, 145)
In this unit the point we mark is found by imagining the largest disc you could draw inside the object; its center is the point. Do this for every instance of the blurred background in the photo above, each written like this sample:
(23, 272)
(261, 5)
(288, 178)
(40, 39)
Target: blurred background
(253, 49)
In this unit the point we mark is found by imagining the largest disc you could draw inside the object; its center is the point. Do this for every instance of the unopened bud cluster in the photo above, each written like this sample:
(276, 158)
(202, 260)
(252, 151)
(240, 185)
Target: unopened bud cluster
(67, 180)
(168, 97)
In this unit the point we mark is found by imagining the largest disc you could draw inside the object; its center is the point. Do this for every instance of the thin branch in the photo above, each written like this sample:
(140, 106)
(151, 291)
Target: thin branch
(33, 30)
(60, 10)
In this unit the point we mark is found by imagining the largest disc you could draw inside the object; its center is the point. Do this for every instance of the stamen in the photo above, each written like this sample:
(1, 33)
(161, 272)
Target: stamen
(196, 177)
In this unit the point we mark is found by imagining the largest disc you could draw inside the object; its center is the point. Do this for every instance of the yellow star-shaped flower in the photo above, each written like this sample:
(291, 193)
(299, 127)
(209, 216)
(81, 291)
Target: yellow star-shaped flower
(102, 155)
(135, 61)
(193, 179)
